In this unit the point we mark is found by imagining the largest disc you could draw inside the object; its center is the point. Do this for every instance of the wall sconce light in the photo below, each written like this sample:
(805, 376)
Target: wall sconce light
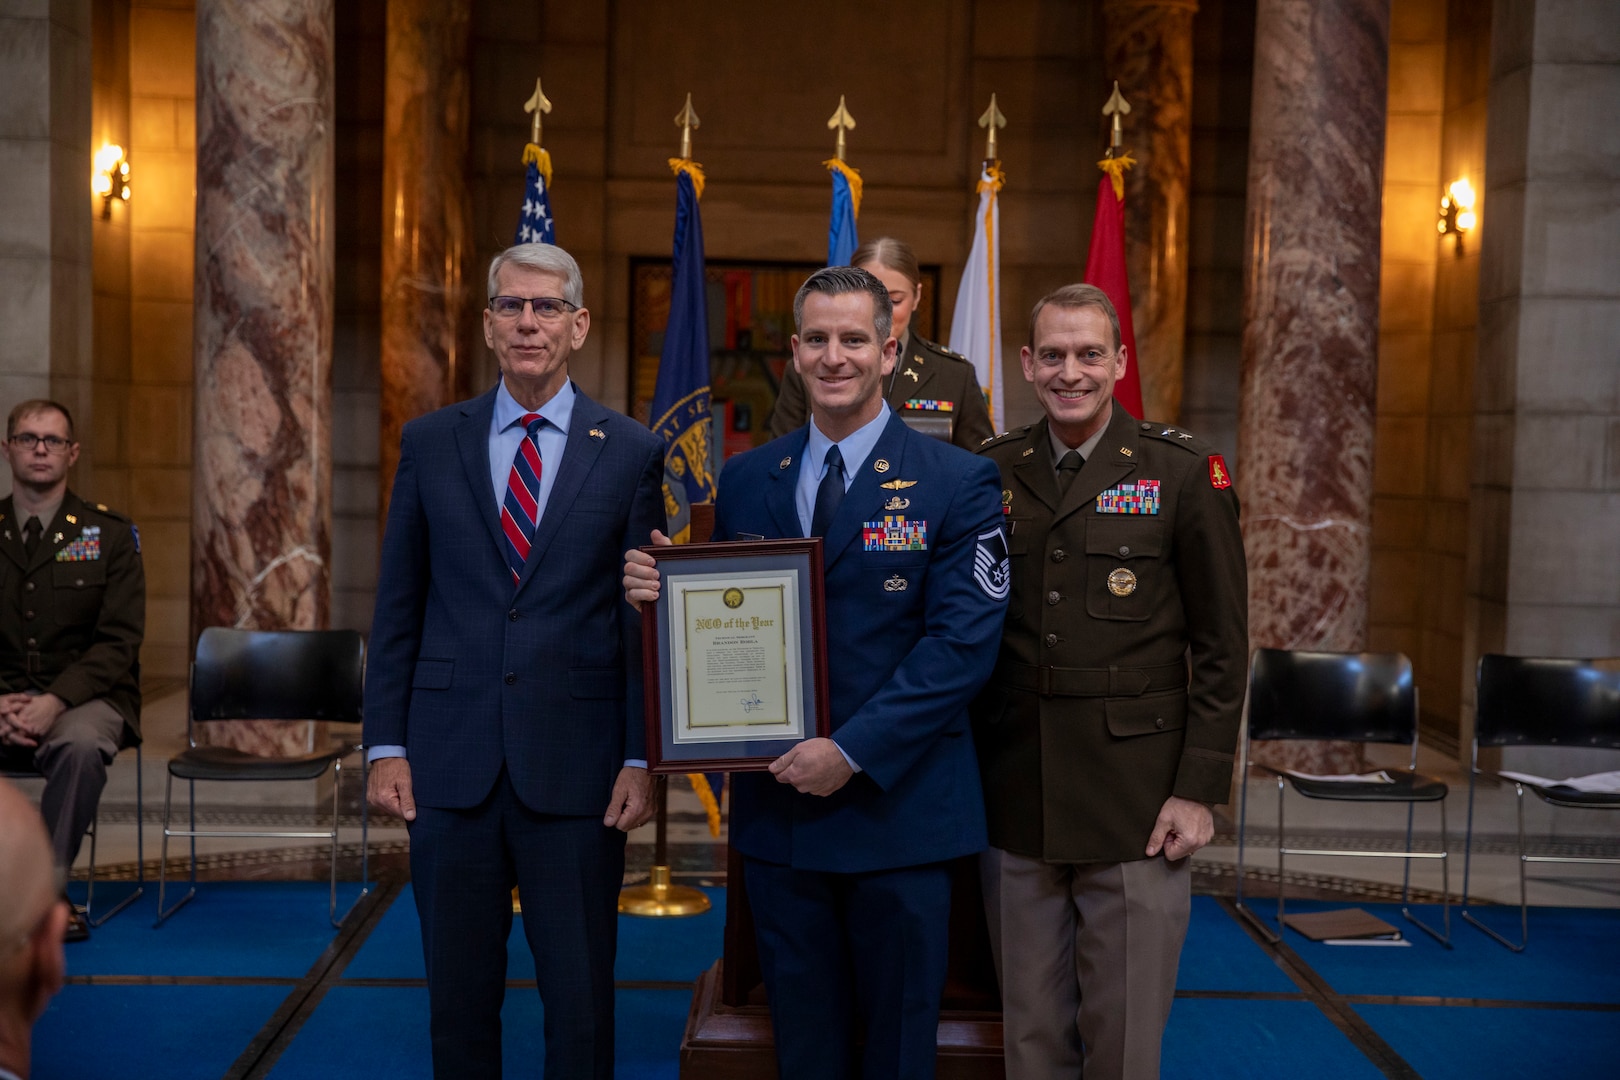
(110, 179)
(1457, 211)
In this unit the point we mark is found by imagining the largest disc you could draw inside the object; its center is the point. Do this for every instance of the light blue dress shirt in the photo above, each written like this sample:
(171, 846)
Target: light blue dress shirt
(855, 447)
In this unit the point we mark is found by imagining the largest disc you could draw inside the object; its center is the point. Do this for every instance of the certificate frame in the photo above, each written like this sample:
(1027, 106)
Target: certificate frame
(741, 713)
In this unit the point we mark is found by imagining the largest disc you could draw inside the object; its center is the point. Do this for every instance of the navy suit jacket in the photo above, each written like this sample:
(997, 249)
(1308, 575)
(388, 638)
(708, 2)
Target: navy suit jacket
(912, 636)
(468, 673)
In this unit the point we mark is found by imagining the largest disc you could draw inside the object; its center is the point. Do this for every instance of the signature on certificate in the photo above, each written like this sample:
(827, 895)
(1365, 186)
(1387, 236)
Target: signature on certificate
(752, 702)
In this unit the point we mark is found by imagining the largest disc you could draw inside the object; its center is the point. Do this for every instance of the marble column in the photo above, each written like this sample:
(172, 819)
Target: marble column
(425, 217)
(262, 449)
(1147, 46)
(1310, 337)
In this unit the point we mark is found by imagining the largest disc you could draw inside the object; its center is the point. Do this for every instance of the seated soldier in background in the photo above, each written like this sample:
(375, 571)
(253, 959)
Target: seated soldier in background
(72, 614)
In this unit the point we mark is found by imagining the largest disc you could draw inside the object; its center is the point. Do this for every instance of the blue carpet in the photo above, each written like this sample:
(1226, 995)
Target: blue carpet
(1220, 955)
(649, 949)
(1236, 1040)
(1446, 1043)
(176, 1032)
(1574, 955)
(648, 1026)
(238, 928)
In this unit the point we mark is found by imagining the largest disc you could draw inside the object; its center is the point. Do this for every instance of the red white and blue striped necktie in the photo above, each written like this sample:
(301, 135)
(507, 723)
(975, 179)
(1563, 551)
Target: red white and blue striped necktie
(520, 510)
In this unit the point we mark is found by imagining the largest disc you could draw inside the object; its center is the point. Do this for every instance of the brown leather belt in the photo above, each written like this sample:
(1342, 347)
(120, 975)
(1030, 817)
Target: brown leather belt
(1090, 682)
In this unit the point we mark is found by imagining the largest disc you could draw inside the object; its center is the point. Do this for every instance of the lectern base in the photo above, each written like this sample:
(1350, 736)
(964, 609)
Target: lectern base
(726, 1043)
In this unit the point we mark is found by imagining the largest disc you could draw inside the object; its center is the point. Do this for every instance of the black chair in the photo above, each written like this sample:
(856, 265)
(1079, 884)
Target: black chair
(313, 675)
(1533, 701)
(1351, 697)
(15, 770)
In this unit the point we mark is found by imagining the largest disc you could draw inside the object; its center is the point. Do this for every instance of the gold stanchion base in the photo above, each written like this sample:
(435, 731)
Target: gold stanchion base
(659, 898)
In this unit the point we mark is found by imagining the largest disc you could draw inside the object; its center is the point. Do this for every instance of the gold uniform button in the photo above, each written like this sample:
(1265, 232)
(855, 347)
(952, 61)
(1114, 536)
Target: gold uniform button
(1059, 555)
(78, 582)
(29, 587)
(1159, 722)
(1053, 597)
(1051, 640)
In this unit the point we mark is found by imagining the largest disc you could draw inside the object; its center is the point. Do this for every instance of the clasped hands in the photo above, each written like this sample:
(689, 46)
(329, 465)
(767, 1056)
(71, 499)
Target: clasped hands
(815, 766)
(25, 718)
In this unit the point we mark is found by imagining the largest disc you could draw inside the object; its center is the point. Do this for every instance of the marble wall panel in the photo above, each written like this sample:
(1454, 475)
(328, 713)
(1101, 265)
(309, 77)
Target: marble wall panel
(1577, 32)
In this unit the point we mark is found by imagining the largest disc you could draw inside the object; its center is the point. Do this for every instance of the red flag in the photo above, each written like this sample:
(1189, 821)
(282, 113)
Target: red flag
(1105, 268)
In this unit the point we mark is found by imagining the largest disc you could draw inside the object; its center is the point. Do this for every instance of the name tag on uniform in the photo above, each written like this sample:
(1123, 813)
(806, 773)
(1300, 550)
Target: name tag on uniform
(84, 548)
(895, 533)
(1140, 497)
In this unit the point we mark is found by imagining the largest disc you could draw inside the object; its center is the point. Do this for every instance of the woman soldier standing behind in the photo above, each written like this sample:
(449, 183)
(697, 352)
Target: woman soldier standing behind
(932, 389)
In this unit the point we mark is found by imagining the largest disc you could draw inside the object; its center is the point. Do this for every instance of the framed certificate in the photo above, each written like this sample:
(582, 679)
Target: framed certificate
(735, 654)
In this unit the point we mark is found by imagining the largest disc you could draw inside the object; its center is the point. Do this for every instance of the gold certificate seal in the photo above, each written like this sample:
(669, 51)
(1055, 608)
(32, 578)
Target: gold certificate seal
(1122, 582)
(733, 598)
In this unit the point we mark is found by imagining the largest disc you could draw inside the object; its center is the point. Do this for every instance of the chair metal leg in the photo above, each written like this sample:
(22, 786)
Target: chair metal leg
(1281, 846)
(1445, 881)
(140, 857)
(1243, 826)
(1524, 905)
(365, 884)
(163, 859)
(337, 789)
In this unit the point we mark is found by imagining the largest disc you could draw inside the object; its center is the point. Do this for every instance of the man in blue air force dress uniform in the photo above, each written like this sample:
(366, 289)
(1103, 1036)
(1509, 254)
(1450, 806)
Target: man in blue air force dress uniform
(503, 692)
(846, 840)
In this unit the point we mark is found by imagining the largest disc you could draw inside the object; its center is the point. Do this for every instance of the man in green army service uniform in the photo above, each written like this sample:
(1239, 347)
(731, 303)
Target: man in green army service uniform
(1109, 727)
(72, 614)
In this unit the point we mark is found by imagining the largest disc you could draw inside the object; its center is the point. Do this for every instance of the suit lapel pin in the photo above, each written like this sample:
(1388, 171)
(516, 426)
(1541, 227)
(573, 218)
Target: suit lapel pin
(895, 583)
(897, 503)
(1028, 452)
(1125, 450)
(881, 465)
(784, 463)
(898, 485)
(912, 375)
(598, 433)
(71, 520)
(1184, 435)
(57, 539)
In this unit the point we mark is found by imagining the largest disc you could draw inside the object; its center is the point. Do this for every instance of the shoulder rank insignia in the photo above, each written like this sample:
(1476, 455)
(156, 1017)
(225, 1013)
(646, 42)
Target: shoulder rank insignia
(1138, 497)
(1218, 476)
(897, 485)
(894, 533)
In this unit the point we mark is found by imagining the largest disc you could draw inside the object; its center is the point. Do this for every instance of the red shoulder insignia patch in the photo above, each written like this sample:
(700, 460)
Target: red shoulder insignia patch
(1218, 476)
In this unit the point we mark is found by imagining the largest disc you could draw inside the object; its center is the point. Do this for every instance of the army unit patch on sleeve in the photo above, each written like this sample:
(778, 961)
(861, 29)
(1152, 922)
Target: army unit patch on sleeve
(1218, 476)
(895, 533)
(992, 565)
(1138, 497)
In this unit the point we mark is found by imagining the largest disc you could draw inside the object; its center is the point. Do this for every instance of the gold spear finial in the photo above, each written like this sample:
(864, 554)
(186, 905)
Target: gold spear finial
(1116, 106)
(841, 122)
(687, 120)
(991, 120)
(537, 104)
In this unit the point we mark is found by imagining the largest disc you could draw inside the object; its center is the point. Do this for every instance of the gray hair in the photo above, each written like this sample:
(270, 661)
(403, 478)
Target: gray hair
(839, 280)
(1076, 296)
(547, 258)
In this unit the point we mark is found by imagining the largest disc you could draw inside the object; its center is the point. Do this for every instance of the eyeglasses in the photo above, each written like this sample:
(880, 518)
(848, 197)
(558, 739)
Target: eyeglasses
(549, 308)
(27, 440)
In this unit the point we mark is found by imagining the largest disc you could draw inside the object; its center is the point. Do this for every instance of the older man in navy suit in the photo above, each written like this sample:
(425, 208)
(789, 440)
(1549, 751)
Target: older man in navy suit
(503, 693)
(846, 840)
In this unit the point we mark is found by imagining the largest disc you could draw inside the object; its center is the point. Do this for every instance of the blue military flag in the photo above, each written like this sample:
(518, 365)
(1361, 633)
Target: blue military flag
(535, 225)
(846, 207)
(680, 405)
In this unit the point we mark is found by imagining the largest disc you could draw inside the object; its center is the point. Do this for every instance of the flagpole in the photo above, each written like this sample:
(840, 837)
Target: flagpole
(842, 238)
(660, 897)
(976, 323)
(1105, 262)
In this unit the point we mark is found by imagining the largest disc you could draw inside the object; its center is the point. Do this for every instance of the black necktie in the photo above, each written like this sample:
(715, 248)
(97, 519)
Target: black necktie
(830, 494)
(1068, 468)
(32, 531)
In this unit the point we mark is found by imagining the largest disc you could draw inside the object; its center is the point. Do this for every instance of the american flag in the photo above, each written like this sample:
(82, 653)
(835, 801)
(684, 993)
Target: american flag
(535, 225)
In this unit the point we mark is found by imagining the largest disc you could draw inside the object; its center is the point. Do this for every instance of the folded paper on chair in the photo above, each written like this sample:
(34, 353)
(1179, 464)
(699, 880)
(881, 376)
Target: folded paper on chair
(1345, 926)
(1379, 777)
(1604, 783)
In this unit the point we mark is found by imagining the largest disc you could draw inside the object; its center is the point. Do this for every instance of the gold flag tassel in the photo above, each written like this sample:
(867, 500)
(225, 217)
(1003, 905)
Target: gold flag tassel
(1115, 168)
(690, 168)
(851, 174)
(711, 805)
(540, 158)
(994, 182)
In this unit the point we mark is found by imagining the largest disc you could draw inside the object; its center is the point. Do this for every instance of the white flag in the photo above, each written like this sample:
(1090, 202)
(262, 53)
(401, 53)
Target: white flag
(976, 325)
